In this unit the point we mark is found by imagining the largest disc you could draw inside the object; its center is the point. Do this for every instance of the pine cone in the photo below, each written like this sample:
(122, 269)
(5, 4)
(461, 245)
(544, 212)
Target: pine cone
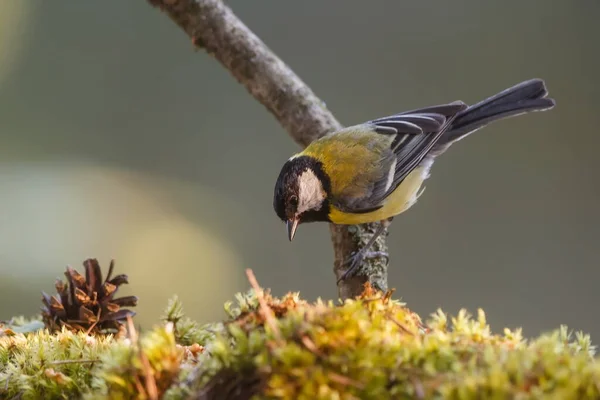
(87, 303)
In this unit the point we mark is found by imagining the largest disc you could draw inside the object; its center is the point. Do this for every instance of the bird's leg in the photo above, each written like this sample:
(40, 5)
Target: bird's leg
(356, 259)
(373, 254)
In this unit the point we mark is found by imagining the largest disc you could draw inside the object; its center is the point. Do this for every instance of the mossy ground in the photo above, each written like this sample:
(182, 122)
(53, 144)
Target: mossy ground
(372, 347)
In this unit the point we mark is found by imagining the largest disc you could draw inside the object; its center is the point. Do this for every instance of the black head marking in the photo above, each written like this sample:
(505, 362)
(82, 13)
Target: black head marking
(285, 200)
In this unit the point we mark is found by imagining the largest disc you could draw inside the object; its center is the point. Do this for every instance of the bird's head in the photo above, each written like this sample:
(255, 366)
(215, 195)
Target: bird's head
(301, 193)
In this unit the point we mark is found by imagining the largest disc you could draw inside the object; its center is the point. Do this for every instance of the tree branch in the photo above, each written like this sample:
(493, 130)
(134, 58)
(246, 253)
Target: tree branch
(213, 26)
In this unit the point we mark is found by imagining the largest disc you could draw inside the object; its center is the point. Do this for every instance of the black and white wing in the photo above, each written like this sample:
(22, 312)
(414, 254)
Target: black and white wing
(417, 131)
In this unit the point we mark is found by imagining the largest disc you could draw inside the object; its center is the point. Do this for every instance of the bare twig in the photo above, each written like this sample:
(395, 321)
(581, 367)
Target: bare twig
(91, 328)
(85, 361)
(418, 386)
(213, 26)
(399, 325)
(138, 385)
(151, 387)
(133, 336)
(311, 346)
(150, 382)
(344, 380)
(265, 310)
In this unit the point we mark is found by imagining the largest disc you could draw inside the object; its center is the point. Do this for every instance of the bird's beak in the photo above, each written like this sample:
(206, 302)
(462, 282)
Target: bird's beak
(291, 224)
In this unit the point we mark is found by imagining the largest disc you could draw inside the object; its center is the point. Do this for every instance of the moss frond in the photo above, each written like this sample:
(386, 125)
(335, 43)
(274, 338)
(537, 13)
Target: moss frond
(187, 331)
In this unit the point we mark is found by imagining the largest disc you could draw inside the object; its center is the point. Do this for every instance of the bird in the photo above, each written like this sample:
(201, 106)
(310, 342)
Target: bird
(374, 171)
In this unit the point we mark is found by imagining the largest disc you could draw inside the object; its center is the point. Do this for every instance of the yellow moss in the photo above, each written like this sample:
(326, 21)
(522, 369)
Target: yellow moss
(138, 369)
(369, 348)
(375, 348)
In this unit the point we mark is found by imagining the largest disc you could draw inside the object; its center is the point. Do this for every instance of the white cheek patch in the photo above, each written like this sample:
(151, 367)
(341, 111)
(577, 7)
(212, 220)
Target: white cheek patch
(310, 192)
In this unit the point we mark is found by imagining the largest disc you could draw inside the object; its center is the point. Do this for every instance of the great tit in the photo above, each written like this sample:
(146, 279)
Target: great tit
(374, 171)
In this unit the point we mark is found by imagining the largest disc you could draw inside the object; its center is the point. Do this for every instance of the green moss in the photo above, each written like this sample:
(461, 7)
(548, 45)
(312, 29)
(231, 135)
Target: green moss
(187, 331)
(369, 348)
(133, 368)
(375, 348)
(51, 366)
(66, 364)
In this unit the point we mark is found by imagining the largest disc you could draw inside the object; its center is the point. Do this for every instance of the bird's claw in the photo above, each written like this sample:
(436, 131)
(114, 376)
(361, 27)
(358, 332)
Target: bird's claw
(356, 258)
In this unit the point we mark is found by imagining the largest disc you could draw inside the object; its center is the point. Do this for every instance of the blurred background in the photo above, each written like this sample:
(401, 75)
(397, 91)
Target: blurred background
(118, 140)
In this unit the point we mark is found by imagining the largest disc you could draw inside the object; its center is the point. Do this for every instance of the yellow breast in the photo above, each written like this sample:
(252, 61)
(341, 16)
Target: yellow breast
(397, 202)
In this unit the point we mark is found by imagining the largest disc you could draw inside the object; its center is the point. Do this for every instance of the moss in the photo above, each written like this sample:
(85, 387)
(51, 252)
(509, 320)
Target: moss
(51, 366)
(66, 364)
(144, 367)
(187, 331)
(375, 348)
(369, 348)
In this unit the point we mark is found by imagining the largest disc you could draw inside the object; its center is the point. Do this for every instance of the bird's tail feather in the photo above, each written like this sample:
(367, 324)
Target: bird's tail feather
(520, 99)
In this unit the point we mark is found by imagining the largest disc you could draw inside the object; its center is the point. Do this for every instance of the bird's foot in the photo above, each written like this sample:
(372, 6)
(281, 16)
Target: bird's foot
(356, 259)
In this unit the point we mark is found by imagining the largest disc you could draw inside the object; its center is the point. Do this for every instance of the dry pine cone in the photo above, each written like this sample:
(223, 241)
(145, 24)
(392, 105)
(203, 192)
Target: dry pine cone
(88, 303)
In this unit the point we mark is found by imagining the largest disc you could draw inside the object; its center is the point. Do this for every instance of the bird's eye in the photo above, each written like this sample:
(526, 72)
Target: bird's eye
(293, 200)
